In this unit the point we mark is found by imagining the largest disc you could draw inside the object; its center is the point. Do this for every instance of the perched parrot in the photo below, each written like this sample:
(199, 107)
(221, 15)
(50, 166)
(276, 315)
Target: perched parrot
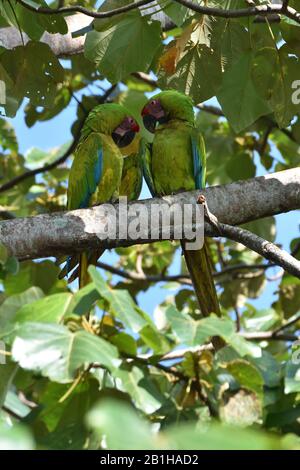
(176, 162)
(96, 173)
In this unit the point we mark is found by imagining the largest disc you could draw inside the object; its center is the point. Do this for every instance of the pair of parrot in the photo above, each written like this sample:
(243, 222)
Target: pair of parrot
(103, 170)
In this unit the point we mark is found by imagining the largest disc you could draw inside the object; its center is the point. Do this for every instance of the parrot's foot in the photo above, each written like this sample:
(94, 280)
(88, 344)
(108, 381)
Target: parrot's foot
(209, 216)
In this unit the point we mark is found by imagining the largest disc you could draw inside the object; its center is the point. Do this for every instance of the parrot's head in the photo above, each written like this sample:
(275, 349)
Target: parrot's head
(165, 106)
(125, 132)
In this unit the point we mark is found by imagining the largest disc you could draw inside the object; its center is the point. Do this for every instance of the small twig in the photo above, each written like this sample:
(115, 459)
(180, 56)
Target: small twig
(289, 323)
(237, 319)
(264, 142)
(261, 246)
(28, 174)
(268, 336)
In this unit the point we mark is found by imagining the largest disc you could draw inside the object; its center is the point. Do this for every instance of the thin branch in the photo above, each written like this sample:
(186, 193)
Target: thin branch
(289, 323)
(263, 247)
(28, 174)
(264, 142)
(268, 336)
(135, 276)
(85, 11)
(262, 10)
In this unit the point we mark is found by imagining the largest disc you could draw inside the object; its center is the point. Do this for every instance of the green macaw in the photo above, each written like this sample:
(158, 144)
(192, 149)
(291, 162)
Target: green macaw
(176, 162)
(96, 173)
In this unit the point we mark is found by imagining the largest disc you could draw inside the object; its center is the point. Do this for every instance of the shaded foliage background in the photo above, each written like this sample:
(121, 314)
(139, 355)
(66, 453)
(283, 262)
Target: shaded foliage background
(115, 380)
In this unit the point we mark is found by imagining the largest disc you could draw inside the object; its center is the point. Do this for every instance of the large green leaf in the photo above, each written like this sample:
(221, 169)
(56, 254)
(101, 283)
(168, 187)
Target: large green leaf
(51, 309)
(247, 375)
(16, 437)
(33, 72)
(57, 353)
(292, 376)
(117, 58)
(122, 427)
(12, 304)
(240, 101)
(32, 23)
(8, 372)
(198, 73)
(196, 332)
(137, 383)
(120, 301)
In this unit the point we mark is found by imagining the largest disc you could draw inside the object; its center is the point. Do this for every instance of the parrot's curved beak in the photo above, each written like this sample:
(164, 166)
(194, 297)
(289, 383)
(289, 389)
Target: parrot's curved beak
(149, 122)
(124, 134)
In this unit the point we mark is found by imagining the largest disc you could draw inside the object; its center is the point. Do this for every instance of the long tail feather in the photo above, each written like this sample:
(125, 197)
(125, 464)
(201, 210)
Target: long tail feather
(86, 259)
(200, 269)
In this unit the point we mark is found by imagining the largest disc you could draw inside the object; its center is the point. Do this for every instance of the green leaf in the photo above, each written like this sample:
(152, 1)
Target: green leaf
(33, 72)
(292, 376)
(238, 97)
(273, 73)
(43, 275)
(51, 309)
(196, 332)
(262, 320)
(220, 437)
(121, 304)
(138, 385)
(122, 427)
(84, 299)
(198, 73)
(8, 372)
(12, 304)
(269, 368)
(125, 343)
(16, 437)
(57, 353)
(116, 59)
(246, 375)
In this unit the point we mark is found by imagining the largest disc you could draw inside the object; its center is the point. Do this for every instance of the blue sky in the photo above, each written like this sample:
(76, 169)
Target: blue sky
(53, 133)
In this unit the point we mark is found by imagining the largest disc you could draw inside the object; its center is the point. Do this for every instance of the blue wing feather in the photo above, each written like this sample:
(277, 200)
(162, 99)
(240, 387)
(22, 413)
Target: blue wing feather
(197, 164)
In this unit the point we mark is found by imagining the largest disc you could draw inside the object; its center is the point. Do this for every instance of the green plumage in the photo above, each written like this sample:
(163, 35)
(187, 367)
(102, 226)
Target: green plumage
(97, 174)
(176, 162)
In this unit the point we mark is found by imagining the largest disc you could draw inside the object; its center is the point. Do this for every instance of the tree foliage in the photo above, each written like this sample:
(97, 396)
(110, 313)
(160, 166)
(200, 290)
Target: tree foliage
(129, 377)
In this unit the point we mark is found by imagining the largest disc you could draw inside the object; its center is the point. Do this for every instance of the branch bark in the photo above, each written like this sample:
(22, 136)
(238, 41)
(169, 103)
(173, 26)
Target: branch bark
(69, 232)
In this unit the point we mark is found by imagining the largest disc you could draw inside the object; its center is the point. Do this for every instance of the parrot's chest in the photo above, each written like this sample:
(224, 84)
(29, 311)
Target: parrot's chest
(172, 162)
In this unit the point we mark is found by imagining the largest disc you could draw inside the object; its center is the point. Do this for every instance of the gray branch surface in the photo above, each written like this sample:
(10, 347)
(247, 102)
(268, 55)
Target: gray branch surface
(68, 232)
(62, 45)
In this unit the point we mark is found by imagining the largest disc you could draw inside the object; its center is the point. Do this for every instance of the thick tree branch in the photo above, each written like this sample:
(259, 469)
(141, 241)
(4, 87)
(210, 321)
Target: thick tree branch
(236, 203)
